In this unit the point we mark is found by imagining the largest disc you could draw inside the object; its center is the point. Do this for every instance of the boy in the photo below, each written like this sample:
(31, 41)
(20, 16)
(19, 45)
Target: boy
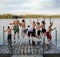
(33, 24)
(30, 32)
(23, 28)
(48, 32)
(38, 29)
(43, 26)
(9, 34)
(16, 27)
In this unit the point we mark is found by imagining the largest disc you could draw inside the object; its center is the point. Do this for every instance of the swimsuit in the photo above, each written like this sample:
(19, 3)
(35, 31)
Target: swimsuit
(16, 29)
(30, 31)
(23, 31)
(34, 32)
(9, 38)
(43, 30)
(38, 32)
(48, 35)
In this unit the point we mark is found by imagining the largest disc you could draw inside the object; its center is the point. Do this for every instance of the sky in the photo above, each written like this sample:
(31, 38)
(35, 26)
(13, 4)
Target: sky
(44, 7)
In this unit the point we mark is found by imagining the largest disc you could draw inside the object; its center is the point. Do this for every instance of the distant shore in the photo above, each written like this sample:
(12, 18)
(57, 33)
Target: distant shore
(10, 16)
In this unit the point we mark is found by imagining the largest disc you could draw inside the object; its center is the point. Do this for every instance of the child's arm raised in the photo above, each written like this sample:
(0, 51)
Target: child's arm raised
(11, 23)
(53, 29)
(51, 24)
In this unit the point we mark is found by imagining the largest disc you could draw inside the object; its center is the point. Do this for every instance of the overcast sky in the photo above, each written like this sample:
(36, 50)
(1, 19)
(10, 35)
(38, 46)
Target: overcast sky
(48, 7)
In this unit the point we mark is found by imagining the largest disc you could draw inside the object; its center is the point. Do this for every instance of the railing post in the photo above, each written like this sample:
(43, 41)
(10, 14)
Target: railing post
(44, 19)
(50, 19)
(3, 36)
(56, 38)
(11, 48)
(50, 32)
(43, 44)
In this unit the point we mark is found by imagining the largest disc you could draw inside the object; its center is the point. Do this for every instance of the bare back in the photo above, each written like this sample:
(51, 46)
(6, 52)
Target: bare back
(43, 26)
(33, 25)
(23, 24)
(49, 29)
(9, 31)
(16, 22)
(38, 27)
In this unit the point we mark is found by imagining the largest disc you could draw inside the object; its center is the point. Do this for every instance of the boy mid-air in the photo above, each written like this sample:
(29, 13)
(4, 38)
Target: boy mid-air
(48, 33)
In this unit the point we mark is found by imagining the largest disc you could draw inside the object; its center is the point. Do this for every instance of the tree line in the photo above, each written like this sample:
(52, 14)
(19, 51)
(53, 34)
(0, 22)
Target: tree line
(10, 16)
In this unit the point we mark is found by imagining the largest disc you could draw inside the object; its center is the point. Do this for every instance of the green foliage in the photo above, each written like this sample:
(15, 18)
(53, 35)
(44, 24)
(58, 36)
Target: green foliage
(10, 16)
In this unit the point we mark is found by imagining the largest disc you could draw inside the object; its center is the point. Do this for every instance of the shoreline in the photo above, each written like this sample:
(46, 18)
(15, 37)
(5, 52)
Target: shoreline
(10, 16)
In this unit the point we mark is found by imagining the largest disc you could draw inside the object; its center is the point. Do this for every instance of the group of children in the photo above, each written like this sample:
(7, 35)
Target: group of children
(34, 30)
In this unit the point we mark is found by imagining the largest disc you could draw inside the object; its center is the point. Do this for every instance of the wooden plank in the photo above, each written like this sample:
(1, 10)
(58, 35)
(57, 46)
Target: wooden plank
(18, 49)
(1, 47)
(28, 49)
(55, 51)
(54, 48)
(3, 50)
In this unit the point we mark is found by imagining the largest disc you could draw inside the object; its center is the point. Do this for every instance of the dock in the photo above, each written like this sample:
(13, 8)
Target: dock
(17, 50)
(28, 49)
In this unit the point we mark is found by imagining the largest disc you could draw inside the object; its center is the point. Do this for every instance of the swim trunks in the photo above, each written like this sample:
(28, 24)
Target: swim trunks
(30, 33)
(9, 38)
(43, 30)
(34, 32)
(38, 32)
(16, 29)
(48, 35)
(24, 31)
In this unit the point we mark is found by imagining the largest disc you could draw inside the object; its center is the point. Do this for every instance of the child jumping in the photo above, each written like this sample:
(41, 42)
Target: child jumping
(48, 33)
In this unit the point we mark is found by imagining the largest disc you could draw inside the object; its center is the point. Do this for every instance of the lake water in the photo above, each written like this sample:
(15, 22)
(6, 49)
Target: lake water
(5, 23)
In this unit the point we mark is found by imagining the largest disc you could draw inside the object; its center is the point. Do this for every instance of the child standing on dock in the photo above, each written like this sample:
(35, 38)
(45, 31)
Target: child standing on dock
(16, 27)
(8, 30)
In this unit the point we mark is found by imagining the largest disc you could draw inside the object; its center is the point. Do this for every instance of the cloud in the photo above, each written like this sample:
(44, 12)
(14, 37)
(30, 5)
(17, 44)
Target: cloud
(30, 6)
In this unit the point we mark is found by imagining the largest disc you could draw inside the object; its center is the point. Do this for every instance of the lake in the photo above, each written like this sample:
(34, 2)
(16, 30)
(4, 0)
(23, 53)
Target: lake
(5, 23)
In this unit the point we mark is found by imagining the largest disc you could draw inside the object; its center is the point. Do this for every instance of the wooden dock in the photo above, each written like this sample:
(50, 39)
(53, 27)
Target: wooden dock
(27, 49)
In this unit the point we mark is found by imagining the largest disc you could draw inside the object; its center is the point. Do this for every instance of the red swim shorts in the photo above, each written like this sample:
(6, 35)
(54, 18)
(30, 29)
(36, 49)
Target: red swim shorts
(48, 35)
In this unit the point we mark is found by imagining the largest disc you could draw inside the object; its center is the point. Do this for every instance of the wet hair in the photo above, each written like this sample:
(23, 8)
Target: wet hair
(28, 26)
(33, 21)
(15, 17)
(23, 20)
(43, 22)
(38, 23)
(8, 26)
(49, 26)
